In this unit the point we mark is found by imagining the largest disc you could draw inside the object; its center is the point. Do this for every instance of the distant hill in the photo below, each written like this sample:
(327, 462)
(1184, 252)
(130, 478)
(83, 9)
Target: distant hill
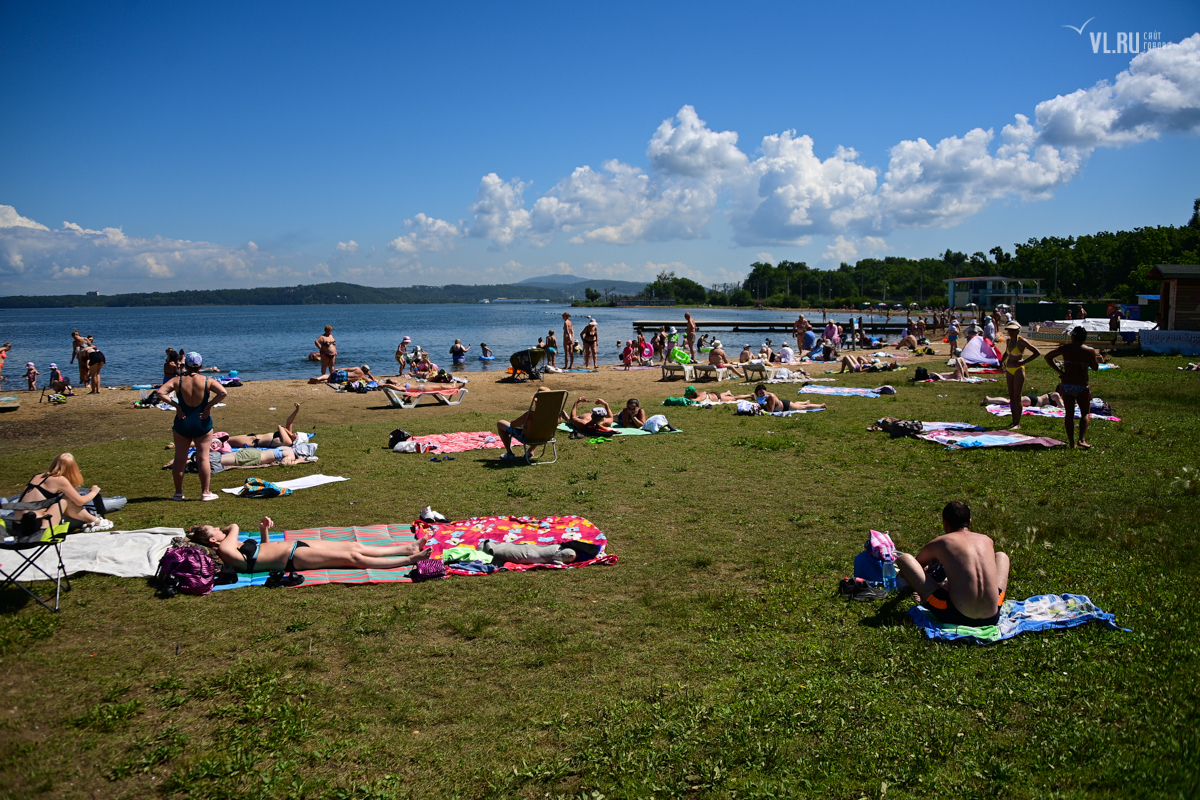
(318, 294)
(573, 284)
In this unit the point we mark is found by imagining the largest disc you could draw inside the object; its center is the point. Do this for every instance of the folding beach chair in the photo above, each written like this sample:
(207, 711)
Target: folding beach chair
(526, 362)
(541, 424)
(30, 542)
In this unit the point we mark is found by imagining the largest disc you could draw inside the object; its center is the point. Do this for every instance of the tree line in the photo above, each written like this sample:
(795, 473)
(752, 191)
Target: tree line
(1091, 267)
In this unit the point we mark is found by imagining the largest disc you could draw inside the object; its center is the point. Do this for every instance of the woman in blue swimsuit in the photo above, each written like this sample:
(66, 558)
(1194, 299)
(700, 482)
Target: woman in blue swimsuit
(1077, 359)
(195, 396)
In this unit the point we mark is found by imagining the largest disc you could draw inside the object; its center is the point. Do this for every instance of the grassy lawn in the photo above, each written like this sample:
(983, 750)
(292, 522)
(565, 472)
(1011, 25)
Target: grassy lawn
(715, 660)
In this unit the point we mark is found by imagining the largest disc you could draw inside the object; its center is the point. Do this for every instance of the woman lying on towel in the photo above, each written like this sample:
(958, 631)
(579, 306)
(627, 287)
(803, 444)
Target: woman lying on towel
(864, 364)
(267, 556)
(1035, 400)
(347, 375)
(961, 371)
(770, 403)
(712, 397)
(283, 435)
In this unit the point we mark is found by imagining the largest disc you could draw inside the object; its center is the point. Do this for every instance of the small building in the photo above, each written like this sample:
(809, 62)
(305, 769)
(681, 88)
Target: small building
(1179, 298)
(93, 294)
(988, 291)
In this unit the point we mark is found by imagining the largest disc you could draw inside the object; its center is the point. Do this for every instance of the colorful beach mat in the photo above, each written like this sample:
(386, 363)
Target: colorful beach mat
(839, 391)
(443, 536)
(461, 442)
(1045, 411)
(1040, 613)
(519, 530)
(964, 440)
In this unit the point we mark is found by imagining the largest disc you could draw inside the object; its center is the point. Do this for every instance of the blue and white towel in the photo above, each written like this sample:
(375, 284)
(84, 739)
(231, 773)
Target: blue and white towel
(1038, 613)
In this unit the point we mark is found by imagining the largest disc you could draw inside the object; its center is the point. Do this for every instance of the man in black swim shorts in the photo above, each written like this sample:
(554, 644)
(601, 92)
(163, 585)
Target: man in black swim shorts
(958, 576)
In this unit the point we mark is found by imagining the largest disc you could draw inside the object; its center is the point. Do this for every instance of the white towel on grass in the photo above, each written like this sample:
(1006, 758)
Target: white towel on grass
(126, 554)
(298, 483)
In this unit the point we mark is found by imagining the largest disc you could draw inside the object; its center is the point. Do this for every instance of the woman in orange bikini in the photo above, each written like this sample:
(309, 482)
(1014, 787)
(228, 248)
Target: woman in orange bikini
(1015, 345)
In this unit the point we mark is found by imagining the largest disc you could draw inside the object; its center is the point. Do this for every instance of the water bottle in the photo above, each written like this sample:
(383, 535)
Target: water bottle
(889, 576)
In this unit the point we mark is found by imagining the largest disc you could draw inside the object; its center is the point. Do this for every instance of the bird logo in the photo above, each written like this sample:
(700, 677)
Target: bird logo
(1079, 30)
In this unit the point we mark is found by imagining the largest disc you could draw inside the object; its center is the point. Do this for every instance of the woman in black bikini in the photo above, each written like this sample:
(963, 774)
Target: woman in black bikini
(283, 435)
(267, 556)
(590, 337)
(195, 397)
(63, 476)
(1077, 359)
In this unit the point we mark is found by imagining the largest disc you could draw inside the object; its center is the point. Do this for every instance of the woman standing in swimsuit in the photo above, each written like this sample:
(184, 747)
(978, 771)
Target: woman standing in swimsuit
(267, 556)
(590, 338)
(327, 347)
(1077, 359)
(1014, 367)
(195, 396)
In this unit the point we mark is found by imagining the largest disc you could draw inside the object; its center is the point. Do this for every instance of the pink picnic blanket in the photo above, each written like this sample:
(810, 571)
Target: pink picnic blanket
(1045, 411)
(521, 530)
(461, 442)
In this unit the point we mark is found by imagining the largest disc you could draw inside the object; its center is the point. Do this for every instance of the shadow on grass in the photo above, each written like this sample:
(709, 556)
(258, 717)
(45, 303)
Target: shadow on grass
(887, 615)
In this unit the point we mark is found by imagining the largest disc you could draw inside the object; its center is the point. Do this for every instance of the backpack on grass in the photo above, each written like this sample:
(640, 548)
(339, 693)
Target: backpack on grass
(188, 569)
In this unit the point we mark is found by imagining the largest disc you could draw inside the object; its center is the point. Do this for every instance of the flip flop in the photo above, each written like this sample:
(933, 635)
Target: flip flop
(435, 458)
(447, 458)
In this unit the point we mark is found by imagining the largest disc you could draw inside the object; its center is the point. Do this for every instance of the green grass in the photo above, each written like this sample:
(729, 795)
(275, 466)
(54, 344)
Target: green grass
(714, 660)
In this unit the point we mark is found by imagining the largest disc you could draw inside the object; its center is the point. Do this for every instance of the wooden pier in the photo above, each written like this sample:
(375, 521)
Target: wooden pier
(765, 326)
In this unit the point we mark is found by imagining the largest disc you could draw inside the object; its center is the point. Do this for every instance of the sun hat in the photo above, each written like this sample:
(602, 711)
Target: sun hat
(193, 359)
(599, 411)
(53, 365)
(406, 339)
(716, 344)
(1012, 326)
(29, 365)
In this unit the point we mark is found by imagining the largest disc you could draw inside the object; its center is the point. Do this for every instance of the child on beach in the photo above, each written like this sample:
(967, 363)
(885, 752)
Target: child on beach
(31, 375)
(627, 355)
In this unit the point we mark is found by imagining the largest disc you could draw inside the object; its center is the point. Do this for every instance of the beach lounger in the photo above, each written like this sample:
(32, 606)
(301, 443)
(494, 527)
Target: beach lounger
(541, 425)
(29, 547)
(710, 371)
(764, 371)
(448, 396)
(687, 371)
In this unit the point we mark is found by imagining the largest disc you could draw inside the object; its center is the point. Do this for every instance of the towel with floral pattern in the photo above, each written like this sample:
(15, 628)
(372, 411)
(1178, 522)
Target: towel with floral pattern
(1039, 613)
(518, 530)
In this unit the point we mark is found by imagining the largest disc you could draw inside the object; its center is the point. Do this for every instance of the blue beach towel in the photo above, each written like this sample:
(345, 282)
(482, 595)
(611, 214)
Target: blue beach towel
(1038, 613)
(839, 391)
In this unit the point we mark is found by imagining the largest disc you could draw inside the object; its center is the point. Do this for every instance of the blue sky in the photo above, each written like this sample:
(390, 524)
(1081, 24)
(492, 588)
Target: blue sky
(161, 146)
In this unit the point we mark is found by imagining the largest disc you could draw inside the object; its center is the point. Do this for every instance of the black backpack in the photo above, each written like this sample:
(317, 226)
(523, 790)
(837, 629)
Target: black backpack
(922, 374)
(397, 436)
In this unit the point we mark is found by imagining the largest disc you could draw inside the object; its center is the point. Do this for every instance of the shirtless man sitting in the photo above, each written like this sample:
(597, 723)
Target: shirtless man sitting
(717, 358)
(969, 587)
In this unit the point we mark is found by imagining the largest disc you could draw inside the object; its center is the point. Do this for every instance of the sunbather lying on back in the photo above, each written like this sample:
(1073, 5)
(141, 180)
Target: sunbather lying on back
(771, 404)
(247, 458)
(346, 375)
(267, 556)
(864, 364)
(712, 397)
(1035, 400)
(961, 370)
(283, 435)
(597, 422)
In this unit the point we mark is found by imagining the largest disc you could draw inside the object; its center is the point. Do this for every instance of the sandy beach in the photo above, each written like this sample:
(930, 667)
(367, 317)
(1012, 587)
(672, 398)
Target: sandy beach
(90, 419)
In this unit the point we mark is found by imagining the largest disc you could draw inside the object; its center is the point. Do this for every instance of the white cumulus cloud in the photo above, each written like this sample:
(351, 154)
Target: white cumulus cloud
(9, 218)
(426, 235)
(348, 247)
(787, 194)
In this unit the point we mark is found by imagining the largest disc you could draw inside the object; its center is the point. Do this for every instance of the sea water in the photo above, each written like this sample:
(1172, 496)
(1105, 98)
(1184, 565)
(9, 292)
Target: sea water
(273, 342)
